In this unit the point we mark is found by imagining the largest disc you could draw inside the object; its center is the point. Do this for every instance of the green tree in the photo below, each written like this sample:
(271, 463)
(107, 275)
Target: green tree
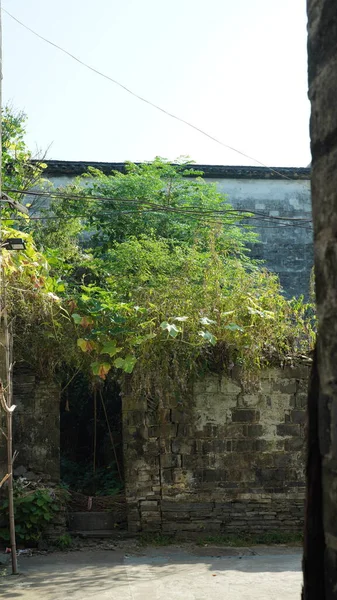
(166, 276)
(19, 172)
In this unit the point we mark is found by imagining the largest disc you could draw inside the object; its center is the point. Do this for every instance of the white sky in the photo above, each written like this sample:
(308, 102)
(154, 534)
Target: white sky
(235, 68)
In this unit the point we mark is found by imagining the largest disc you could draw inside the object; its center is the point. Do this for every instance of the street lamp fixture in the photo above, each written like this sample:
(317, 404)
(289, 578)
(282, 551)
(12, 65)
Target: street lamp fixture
(14, 244)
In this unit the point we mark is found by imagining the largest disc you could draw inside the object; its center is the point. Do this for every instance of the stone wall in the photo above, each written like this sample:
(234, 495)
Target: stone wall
(36, 428)
(320, 550)
(225, 461)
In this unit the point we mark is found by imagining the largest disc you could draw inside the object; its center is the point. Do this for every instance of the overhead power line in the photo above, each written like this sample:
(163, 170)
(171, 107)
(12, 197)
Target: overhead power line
(113, 214)
(149, 102)
(188, 209)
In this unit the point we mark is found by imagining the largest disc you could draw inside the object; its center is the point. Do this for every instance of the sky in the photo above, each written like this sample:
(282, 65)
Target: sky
(236, 69)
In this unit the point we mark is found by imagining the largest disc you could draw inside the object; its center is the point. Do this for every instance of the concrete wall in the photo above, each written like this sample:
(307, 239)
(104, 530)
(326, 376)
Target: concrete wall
(36, 428)
(285, 246)
(225, 461)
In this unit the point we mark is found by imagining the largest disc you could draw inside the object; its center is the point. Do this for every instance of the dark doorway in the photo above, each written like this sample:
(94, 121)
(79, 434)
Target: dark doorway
(91, 438)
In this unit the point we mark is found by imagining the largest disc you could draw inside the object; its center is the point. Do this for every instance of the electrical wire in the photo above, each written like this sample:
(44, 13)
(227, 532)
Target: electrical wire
(246, 213)
(213, 220)
(129, 91)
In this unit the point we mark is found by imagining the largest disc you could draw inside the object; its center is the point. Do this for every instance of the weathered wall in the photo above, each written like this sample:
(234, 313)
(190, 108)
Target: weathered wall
(36, 431)
(226, 461)
(320, 557)
(285, 246)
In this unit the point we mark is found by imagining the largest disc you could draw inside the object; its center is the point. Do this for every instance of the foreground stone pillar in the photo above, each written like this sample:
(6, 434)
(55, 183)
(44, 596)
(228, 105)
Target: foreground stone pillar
(320, 559)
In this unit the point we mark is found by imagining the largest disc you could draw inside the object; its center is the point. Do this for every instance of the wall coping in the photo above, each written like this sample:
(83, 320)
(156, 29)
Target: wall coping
(70, 168)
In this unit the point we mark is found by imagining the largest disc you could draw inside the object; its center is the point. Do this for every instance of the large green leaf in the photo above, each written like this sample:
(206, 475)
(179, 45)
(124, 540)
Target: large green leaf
(208, 337)
(127, 363)
(111, 348)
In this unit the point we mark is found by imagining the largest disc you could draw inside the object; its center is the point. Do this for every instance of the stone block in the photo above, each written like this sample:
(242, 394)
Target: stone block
(180, 416)
(151, 526)
(245, 415)
(251, 400)
(170, 460)
(185, 430)
(270, 476)
(243, 445)
(167, 476)
(254, 431)
(134, 418)
(213, 384)
(293, 444)
(283, 460)
(285, 386)
(175, 516)
(235, 430)
(181, 476)
(288, 429)
(298, 416)
(301, 400)
(230, 387)
(193, 461)
(214, 475)
(269, 445)
(149, 505)
(152, 447)
(151, 517)
(183, 526)
(182, 445)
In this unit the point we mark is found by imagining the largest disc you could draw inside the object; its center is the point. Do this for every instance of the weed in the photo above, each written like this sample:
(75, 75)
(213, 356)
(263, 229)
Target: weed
(267, 538)
(155, 539)
(64, 542)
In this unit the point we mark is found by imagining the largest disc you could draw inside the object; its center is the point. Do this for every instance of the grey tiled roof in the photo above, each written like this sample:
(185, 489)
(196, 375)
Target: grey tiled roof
(72, 168)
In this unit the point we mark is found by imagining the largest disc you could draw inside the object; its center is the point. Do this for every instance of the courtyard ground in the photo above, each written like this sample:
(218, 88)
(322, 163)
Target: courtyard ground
(185, 572)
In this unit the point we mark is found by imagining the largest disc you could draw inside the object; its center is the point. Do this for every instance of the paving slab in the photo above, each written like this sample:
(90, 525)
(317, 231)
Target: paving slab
(192, 573)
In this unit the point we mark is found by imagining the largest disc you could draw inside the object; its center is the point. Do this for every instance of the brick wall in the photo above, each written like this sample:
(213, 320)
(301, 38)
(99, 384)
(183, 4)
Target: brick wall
(224, 461)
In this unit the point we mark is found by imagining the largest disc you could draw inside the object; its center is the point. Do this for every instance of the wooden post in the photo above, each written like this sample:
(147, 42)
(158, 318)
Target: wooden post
(7, 404)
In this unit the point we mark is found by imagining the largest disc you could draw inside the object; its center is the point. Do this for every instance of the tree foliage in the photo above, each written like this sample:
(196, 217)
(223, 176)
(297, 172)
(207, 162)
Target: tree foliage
(153, 277)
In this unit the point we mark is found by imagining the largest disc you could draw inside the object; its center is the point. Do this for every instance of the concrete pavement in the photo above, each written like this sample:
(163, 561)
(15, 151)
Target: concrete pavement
(173, 573)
